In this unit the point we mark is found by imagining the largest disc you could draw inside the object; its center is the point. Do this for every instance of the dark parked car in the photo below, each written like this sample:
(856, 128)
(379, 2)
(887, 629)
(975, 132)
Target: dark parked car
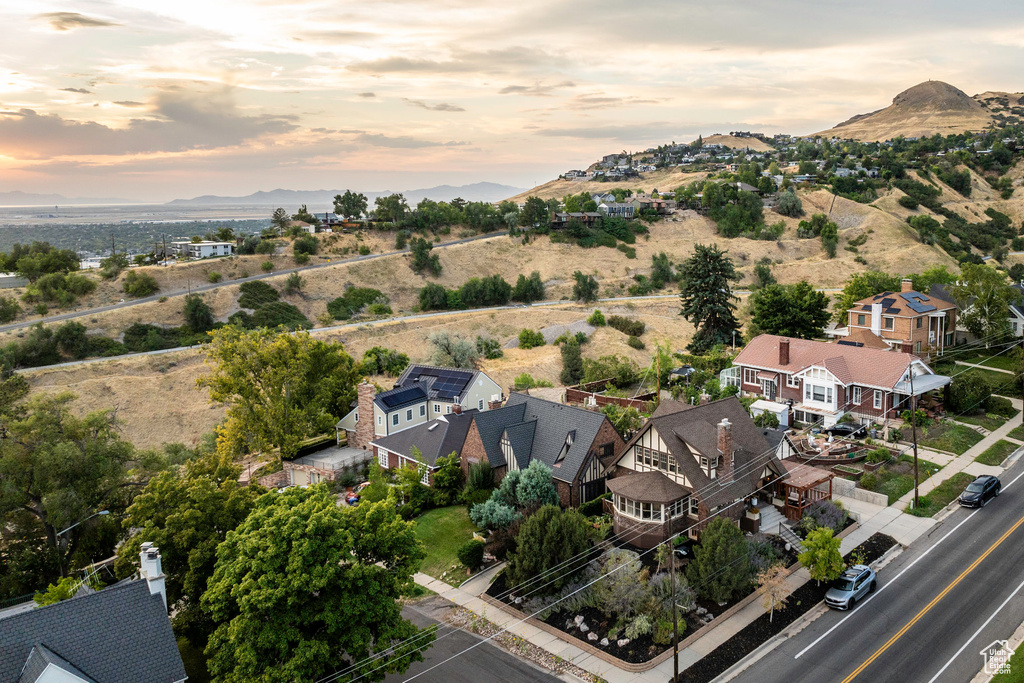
(852, 585)
(847, 430)
(980, 491)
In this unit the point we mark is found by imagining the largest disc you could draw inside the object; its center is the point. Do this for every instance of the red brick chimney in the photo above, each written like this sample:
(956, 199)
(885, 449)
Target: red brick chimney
(494, 405)
(364, 427)
(457, 409)
(725, 450)
(906, 285)
(783, 352)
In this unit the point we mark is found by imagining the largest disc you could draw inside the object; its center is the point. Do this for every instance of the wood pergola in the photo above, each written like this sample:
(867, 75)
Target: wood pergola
(802, 486)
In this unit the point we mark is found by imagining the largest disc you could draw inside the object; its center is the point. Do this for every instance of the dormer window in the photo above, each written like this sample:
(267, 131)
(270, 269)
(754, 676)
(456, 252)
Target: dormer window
(569, 438)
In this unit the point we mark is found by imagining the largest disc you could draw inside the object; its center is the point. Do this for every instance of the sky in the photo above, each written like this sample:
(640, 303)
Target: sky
(153, 101)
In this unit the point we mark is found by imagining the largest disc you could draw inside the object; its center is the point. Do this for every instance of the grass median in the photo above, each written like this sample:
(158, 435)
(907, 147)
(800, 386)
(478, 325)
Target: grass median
(941, 496)
(996, 453)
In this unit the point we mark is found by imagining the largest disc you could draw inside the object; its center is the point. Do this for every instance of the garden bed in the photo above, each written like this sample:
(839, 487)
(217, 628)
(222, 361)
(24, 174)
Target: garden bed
(945, 436)
(896, 478)
(802, 600)
(996, 453)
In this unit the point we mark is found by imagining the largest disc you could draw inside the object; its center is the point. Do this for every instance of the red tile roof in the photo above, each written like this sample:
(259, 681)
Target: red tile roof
(850, 364)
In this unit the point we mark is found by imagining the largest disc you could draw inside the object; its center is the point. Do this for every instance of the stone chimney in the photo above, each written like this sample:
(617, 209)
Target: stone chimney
(906, 285)
(783, 352)
(725, 450)
(151, 570)
(495, 402)
(364, 426)
(457, 409)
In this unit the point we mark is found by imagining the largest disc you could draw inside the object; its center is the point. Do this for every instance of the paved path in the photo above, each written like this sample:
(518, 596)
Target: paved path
(985, 367)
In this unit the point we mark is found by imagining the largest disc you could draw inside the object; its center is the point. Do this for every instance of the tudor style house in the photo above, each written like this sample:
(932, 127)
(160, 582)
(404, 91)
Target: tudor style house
(421, 394)
(577, 444)
(906, 321)
(685, 465)
(821, 382)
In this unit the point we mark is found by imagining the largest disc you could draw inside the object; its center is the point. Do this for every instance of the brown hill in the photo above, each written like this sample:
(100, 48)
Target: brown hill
(926, 109)
(732, 142)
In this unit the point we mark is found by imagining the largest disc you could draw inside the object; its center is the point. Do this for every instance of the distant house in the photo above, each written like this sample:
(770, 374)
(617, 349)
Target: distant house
(197, 250)
(435, 439)
(588, 218)
(821, 381)
(120, 634)
(686, 465)
(422, 393)
(621, 210)
(1017, 313)
(907, 321)
(577, 444)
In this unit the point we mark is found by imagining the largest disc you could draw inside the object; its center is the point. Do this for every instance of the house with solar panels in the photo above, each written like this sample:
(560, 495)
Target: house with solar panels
(423, 393)
(906, 321)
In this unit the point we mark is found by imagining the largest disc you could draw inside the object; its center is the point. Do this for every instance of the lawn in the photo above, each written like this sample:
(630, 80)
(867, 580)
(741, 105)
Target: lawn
(941, 496)
(946, 436)
(989, 421)
(996, 453)
(443, 531)
(1017, 433)
(1002, 384)
(895, 479)
(1016, 674)
(1003, 362)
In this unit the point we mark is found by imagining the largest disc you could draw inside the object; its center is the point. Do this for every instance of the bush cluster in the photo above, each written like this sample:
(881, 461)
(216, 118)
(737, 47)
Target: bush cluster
(627, 326)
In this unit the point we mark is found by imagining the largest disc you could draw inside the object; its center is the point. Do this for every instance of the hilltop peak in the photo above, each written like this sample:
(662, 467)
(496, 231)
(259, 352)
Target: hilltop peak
(935, 96)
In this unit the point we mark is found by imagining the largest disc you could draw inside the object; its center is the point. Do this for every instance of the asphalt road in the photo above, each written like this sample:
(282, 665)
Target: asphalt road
(937, 606)
(208, 286)
(488, 662)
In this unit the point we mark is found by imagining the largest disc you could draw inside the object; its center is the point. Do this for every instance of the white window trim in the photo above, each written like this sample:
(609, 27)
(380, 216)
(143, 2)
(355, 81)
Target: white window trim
(792, 381)
(382, 458)
(380, 420)
(425, 479)
(394, 419)
(437, 408)
(856, 395)
(877, 403)
(423, 410)
(749, 375)
(448, 410)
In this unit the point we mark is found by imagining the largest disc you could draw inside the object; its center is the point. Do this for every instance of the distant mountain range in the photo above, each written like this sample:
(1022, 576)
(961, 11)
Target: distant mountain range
(18, 198)
(477, 192)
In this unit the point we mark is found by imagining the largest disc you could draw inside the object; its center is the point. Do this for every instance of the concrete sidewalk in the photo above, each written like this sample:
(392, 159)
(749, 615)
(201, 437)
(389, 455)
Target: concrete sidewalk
(873, 518)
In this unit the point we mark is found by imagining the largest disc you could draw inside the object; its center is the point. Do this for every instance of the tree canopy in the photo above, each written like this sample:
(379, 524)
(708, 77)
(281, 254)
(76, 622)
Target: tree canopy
(303, 588)
(706, 298)
(280, 388)
(790, 310)
(350, 205)
(983, 296)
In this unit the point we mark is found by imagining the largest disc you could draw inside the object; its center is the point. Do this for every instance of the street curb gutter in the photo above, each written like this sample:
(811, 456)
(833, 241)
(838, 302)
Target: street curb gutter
(799, 625)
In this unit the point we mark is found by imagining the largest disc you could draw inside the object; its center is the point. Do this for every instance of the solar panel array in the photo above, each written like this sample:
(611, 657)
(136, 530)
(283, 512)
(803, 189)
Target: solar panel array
(451, 383)
(916, 302)
(401, 396)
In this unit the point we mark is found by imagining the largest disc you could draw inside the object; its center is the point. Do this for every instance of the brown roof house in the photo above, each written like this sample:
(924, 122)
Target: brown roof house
(820, 382)
(577, 444)
(686, 465)
(906, 321)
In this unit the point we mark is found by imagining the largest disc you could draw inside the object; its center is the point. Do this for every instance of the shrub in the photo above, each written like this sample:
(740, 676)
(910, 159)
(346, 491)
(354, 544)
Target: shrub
(824, 513)
(1000, 406)
(471, 554)
(585, 287)
(878, 455)
(869, 481)
(364, 250)
(265, 247)
(9, 309)
(720, 567)
(267, 266)
(139, 284)
(529, 339)
(594, 507)
(423, 261)
(636, 343)
(528, 289)
(380, 360)
(379, 309)
(481, 477)
(767, 420)
(822, 556)
(597, 319)
(489, 348)
(401, 239)
(301, 259)
(256, 294)
(549, 539)
(280, 313)
(572, 363)
(790, 205)
(214, 277)
(629, 251)
(493, 515)
(293, 284)
(353, 301)
(198, 314)
(433, 297)
(307, 244)
(627, 326)
(967, 393)
(908, 202)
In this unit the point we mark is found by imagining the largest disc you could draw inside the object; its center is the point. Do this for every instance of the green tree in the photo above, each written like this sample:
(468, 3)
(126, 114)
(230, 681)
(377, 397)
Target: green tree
(303, 588)
(198, 314)
(422, 259)
(720, 567)
(584, 289)
(448, 479)
(433, 297)
(451, 350)
(626, 421)
(381, 360)
(391, 208)
(528, 289)
(139, 284)
(983, 296)
(790, 310)
(72, 340)
(706, 298)
(661, 270)
(861, 286)
(187, 512)
(305, 216)
(790, 204)
(572, 363)
(61, 469)
(830, 238)
(763, 275)
(39, 259)
(821, 555)
(968, 393)
(280, 388)
(294, 283)
(112, 266)
(549, 539)
(535, 212)
(280, 220)
(350, 205)
(471, 554)
(9, 309)
(493, 514)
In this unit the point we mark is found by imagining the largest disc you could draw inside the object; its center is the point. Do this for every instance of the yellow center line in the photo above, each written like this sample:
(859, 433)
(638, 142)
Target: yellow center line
(931, 604)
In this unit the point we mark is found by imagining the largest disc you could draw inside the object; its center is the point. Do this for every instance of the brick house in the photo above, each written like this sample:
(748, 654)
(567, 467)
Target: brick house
(822, 382)
(577, 444)
(421, 394)
(435, 439)
(686, 465)
(907, 321)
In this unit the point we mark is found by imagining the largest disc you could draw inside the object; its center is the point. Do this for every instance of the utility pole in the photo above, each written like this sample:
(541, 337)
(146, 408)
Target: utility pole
(675, 614)
(913, 422)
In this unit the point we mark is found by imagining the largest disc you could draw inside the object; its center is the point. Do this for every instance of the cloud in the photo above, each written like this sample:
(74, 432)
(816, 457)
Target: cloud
(404, 141)
(129, 103)
(366, 94)
(68, 21)
(602, 101)
(501, 61)
(656, 130)
(181, 120)
(441, 106)
(78, 90)
(535, 90)
(336, 36)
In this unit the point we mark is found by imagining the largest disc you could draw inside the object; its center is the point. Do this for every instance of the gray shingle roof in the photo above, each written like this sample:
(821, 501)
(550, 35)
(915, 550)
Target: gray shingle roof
(448, 435)
(40, 658)
(119, 635)
(492, 423)
(647, 487)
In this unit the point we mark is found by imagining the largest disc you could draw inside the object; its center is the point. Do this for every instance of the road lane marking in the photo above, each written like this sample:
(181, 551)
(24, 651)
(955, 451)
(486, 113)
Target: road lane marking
(895, 578)
(976, 633)
(927, 608)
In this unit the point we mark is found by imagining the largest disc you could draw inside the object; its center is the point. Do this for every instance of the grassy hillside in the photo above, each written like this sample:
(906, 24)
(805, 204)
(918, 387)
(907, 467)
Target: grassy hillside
(664, 179)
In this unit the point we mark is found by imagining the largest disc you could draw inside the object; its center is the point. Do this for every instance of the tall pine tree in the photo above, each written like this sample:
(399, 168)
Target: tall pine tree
(705, 297)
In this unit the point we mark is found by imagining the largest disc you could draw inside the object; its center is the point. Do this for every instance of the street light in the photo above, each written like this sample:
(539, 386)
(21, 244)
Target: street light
(61, 533)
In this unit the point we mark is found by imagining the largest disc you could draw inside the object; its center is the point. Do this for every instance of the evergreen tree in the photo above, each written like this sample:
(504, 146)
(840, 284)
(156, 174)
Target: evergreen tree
(706, 298)
(572, 363)
(720, 567)
(790, 310)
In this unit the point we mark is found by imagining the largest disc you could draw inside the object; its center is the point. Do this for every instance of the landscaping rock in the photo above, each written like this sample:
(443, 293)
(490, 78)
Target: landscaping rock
(592, 636)
(579, 619)
(584, 628)
(519, 601)
(622, 642)
(604, 642)
(701, 611)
